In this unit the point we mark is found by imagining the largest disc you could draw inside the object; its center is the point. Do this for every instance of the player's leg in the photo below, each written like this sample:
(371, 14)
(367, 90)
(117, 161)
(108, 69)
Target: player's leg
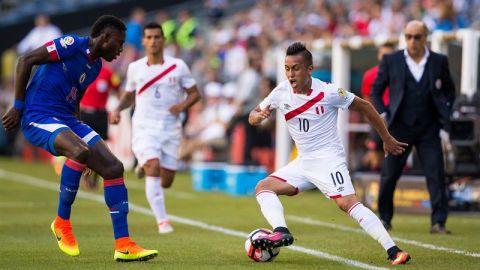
(333, 179)
(55, 135)
(155, 194)
(371, 224)
(68, 144)
(110, 168)
(286, 181)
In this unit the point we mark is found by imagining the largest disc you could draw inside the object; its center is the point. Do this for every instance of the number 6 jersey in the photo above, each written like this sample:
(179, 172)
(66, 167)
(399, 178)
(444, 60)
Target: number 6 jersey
(311, 118)
(158, 87)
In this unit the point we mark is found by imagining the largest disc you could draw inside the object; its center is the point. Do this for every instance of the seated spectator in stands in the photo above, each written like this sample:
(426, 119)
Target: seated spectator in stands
(42, 32)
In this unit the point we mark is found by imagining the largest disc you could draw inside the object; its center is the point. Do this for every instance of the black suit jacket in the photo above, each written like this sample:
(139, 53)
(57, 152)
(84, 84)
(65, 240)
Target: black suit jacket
(392, 73)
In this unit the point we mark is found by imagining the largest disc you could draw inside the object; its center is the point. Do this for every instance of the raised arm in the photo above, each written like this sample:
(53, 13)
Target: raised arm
(11, 118)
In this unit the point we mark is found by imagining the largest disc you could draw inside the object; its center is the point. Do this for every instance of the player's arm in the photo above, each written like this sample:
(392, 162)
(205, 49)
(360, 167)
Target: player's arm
(193, 95)
(257, 115)
(390, 144)
(126, 100)
(25, 64)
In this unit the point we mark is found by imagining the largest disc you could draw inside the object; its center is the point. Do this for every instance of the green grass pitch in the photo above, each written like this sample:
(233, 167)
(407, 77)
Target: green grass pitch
(209, 230)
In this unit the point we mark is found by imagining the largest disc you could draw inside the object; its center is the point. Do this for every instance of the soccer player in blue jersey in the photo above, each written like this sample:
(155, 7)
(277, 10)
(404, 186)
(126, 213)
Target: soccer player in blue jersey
(47, 109)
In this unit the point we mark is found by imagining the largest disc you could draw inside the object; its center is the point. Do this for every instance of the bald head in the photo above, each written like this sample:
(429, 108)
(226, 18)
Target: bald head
(416, 26)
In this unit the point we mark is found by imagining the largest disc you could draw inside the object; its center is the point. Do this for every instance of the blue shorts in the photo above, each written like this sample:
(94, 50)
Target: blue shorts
(41, 130)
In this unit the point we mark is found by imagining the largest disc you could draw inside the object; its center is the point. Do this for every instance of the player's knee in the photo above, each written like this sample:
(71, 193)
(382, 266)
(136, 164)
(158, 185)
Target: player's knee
(262, 185)
(166, 183)
(114, 170)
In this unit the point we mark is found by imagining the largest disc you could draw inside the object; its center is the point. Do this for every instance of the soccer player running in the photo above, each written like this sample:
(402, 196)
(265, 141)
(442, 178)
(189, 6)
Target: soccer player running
(157, 83)
(310, 107)
(47, 110)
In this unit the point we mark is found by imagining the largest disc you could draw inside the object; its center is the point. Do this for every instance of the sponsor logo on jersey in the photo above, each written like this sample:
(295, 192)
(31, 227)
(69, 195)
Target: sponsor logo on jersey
(66, 41)
(82, 78)
(287, 106)
(340, 189)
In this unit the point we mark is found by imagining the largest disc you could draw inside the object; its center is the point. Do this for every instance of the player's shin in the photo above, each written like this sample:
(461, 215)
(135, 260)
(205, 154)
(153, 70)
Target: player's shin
(69, 183)
(155, 197)
(371, 224)
(272, 208)
(116, 198)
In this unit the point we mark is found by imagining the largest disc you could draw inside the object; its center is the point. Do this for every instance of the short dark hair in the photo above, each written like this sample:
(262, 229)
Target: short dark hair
(153, 25)
(106, 21)
(299, 48)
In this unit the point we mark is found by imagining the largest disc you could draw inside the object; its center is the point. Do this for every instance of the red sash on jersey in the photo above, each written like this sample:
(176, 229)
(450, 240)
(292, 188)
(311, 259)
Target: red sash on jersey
(156, 78)
(304, 107)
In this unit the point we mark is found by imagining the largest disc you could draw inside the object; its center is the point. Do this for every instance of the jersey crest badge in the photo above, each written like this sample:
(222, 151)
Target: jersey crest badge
(341, 92)
(72, 96)
(66, 41)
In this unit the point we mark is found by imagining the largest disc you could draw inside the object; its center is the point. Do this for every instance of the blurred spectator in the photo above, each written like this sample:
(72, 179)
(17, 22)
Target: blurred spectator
(187, 30)
(133, 36)
(169, 26)
(248, 96)
(216, 9)
(9, 58)
(447, 19)
(42, 32)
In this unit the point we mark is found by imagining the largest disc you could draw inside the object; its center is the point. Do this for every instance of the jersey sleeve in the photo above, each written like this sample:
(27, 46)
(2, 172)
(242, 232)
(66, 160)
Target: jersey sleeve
(272, 99)
(186, 78)
(62, 47)
(130, 85)
(339, 97)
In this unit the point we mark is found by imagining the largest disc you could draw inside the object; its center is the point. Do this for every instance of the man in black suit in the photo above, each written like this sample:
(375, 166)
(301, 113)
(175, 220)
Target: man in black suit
(421, 97)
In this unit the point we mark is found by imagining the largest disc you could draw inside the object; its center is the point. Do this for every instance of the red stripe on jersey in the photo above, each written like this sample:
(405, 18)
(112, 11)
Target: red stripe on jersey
(52, 50)
(156, 78)
(335, 196)
(304, 107)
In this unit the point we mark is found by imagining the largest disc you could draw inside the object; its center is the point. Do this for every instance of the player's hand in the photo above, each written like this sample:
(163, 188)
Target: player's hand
(11, 119)
(265, 113)
(394, 147)
(176, 109)
(87, 171)
(114, 117)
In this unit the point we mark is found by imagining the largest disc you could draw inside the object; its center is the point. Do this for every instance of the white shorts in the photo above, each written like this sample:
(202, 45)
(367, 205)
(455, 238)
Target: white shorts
(164, 148)
(330, 176)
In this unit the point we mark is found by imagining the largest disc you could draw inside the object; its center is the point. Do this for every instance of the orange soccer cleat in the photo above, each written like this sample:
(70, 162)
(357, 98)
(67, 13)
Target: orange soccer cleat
(401, 257)
(126, 250)
(62, 229)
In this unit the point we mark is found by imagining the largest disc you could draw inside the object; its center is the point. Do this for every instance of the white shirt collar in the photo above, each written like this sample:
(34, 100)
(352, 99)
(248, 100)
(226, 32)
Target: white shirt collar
(416, 69)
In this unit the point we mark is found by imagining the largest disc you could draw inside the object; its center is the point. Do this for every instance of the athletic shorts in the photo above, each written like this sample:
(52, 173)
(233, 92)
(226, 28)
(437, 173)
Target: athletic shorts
(97, 120)
(42, 130)
(329, 175)
(147, 146)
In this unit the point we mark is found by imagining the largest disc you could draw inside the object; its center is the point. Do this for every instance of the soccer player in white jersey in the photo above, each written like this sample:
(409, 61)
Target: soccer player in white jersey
(158, 84)
(310, 107)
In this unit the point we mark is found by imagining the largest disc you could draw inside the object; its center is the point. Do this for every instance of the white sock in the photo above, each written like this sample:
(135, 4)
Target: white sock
(371, 224)
(272, 208)
(155, 197)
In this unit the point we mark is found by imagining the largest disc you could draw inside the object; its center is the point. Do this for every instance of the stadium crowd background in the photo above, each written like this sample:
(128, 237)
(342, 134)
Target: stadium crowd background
(231, 47)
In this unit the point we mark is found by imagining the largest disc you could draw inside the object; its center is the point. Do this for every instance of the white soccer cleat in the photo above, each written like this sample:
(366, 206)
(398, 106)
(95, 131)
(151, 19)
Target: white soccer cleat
(165, 227)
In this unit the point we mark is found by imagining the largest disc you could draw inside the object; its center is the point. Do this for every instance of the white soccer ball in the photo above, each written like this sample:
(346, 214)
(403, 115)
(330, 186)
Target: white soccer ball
(256, 254)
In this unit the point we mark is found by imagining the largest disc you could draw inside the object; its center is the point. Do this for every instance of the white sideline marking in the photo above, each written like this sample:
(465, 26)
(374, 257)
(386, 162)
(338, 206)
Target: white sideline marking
(310, 221)
(34, 181)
